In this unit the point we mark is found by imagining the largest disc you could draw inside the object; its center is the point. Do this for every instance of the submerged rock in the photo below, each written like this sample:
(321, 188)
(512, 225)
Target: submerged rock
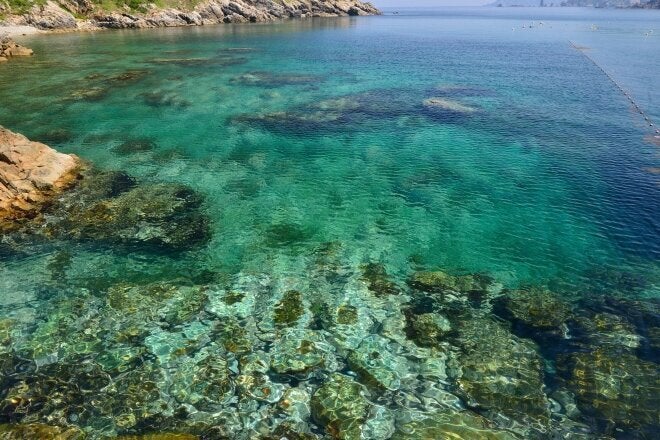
(501, 373)
(427, 329)
(443, 105)
(159, 436)
(39, 431)
(378, 281)
(632, 323)
(270, 79)
(378, 363)
(535, 312)
(442, 282)
(285, 234)
(174, 303)
(463, 425)
(31, 175)
(289, 310)
(161, 215)
(98, 185)
(335, 113)
(134, 146)
(300, 351)
(619, 390)
(605, 329)
(128, 76)
(89, 94)
(160, 98)
(340, 407)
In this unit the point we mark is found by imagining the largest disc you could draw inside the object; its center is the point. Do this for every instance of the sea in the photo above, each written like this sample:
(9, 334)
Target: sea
(398, 209)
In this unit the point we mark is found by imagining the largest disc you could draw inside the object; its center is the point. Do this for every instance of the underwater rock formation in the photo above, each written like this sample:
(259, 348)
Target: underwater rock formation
(31, 175)
(340, 406)
(535, 312)
(160, 215)
(618, 389)
(39, 431)
(448, 106)
(256, 355)
(441, 282)
(501, 373)
(378, 281)
(450, 425)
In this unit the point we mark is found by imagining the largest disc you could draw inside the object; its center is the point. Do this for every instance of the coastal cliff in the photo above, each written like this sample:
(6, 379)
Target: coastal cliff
(118, 14)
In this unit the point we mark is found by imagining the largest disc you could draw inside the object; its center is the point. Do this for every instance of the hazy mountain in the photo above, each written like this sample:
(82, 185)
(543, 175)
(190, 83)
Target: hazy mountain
(592, 3)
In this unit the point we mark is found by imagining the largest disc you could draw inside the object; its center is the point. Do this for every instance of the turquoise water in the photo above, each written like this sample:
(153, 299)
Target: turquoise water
(304, 133)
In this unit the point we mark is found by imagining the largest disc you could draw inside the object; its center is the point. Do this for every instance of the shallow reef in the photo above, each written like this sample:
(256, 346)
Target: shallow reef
(334, 114)
(111, 207)
(348, 352)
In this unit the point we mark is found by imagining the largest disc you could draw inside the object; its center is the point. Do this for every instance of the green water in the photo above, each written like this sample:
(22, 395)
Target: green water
(311, 138)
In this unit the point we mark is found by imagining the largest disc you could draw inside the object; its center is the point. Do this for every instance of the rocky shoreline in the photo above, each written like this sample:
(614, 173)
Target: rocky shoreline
(9, 49)
(85, 15)
(31, 175)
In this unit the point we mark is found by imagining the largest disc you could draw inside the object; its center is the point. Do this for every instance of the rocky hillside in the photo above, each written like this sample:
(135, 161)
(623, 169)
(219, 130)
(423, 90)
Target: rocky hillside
(88, 14)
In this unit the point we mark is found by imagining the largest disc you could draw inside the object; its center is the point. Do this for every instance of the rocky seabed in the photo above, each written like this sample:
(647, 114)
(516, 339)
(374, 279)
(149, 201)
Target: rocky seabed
(345, 351)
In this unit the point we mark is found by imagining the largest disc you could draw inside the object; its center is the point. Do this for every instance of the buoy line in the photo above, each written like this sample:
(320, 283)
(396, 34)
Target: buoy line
(618, 86)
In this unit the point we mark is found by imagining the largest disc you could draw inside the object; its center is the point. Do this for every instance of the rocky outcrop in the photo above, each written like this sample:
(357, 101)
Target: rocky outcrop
(60, 14)
(9, 48)
(50, 16)
(31, 174)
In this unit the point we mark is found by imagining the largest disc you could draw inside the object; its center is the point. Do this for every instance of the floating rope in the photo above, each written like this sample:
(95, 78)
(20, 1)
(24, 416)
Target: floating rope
(618, 86)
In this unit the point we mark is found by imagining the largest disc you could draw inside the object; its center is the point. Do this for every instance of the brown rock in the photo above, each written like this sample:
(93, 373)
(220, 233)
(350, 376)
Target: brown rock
(9, 48)
(19, 51)
(31, 173)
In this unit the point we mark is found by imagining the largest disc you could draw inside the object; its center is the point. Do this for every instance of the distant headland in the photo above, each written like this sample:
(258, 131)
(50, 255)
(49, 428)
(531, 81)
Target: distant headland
(639, 4)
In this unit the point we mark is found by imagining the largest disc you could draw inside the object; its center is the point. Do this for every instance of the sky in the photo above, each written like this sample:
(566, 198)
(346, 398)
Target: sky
(410, 3)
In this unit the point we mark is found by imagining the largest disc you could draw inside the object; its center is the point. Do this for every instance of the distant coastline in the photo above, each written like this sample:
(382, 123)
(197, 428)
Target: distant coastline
(625, 4)
(61, 15)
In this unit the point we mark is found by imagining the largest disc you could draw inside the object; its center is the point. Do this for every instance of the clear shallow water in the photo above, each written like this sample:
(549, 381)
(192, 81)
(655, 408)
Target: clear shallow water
(547, 182)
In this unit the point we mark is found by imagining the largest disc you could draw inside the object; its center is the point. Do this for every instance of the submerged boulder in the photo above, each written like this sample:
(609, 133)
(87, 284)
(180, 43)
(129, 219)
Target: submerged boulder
(463, 425)
(340, 406)
(442, 282)
(378, 281)
(427, 329)
(159, 436)
(536, 312)
(39, 431)
(501, 373)
(161, 215)
(378, 363)
(619, 390)
(443, 105)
